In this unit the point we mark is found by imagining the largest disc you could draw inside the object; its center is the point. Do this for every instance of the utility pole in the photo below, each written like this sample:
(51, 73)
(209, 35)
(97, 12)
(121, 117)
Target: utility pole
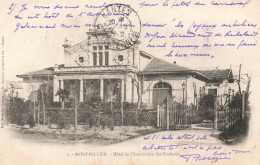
(34, 117)
(3, 108)
(38, 115)
(43, 107)
(239, 77)
(215, 114)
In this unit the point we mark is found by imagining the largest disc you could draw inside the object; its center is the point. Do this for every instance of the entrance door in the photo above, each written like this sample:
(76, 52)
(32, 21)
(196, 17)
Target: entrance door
(160, 91)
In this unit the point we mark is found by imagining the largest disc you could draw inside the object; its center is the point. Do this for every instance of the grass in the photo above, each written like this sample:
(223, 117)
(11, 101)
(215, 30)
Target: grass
(95, 136)
(236, 134)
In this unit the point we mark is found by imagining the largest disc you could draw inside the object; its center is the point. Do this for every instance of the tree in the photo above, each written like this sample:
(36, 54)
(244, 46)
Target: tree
(138, 81)
(62, 93)
(241, 80)
(246, 81)
(19, 110)
(236, 101)
(206, 106)
(44, 97)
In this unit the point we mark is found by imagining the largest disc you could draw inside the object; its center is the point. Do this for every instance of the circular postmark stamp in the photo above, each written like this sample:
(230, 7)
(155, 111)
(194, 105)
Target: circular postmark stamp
(121, 25)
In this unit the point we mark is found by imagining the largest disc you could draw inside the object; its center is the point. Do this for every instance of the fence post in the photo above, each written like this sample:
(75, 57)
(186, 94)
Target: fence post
(38, 115)
(158, 115)
(76, 118)
(243, 106)
(167, 112)
(2, 115)
(99, 118)
(122, 113)
(43, 108)
(215, 114)
(221, 103)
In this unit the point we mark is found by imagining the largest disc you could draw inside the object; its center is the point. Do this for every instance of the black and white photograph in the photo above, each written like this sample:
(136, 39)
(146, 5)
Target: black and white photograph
(130, 82)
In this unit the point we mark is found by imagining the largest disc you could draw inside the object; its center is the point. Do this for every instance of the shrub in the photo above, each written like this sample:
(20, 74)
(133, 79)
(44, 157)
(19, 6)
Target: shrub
(236, 101)
(65, 118)
(238, 132)
(146, 118)
(30, 121)
(107, 121)
(18, 110)
(22, 119)
(130, 106)
(55, 104)
(93, 121)
(205, 109)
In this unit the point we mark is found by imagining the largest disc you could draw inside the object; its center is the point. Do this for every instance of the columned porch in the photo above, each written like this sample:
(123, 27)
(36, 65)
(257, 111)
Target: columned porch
(107, 88)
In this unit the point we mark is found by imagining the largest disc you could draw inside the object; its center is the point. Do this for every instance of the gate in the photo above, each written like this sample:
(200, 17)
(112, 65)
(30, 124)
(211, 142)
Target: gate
(173, 115)
(227, 117)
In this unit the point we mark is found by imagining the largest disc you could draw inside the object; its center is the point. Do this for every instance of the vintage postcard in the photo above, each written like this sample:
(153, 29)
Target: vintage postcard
(130, 82)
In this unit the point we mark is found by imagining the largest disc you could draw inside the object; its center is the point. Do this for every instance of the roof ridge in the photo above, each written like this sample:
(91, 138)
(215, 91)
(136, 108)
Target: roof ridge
(221, 71)
(161, 65)
(216, 73)
(172, 63)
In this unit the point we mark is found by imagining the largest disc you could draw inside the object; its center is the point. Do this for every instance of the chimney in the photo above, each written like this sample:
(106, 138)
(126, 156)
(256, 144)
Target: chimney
(56, 66)
(67, 43)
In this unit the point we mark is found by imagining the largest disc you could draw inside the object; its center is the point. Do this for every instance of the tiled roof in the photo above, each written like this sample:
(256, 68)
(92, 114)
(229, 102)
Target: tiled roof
(42, 72)
(217, 74)
(158, 65)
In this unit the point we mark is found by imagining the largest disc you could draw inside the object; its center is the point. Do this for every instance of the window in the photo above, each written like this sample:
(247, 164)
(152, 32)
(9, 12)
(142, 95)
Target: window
(120, 58)
(162, 85)
(212, 91)
(81, 59)
(98, 55)
(106, 58)
(95, 58)
(100, 58)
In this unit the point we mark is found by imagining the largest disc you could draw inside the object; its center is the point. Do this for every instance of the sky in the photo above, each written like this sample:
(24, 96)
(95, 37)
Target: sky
(26, 50)
(31, 49)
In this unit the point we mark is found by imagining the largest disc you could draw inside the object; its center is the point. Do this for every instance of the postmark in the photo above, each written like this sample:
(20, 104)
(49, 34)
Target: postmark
(121, 24)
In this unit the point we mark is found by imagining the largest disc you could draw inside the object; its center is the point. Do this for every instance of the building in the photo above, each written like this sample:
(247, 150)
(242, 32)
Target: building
(14, 89)
(91, 69)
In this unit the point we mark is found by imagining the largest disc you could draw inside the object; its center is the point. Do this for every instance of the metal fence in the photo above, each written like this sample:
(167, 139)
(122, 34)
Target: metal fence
(71, 116)
(227, 117)
(174, 115)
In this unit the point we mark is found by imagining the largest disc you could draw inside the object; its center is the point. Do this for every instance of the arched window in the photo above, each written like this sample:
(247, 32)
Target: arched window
(162, 85)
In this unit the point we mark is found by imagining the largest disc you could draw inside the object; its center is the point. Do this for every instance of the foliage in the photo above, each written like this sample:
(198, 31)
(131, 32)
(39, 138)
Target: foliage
(22, 119)
(238, 132)
(30, 121)
(207, 102)
(18, 111)
(55, 104)
(146, 118)
(45, 93)
(107, 121)
(236, 101)
(65, 118)
(205, 109)
(62, 93)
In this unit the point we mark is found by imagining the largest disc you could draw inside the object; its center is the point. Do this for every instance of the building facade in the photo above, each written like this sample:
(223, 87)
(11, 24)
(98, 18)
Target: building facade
(92, 69)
